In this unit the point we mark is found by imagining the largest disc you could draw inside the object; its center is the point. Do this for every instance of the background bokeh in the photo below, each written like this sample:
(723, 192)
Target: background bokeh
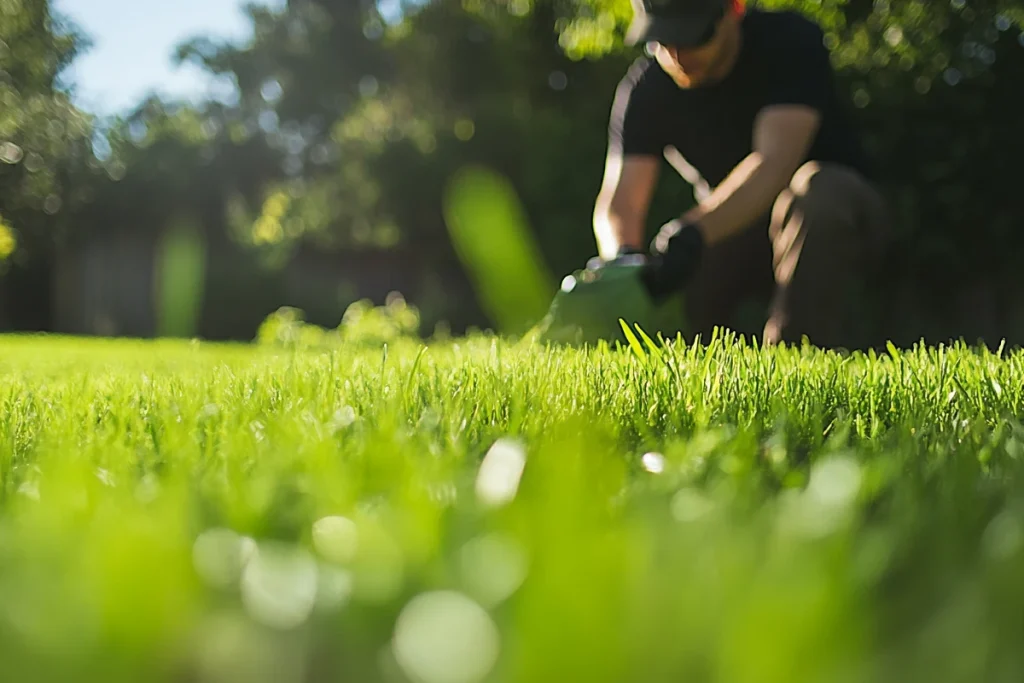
(452, 153)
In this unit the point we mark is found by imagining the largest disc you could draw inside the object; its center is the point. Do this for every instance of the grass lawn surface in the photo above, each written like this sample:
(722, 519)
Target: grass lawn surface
(471, 511)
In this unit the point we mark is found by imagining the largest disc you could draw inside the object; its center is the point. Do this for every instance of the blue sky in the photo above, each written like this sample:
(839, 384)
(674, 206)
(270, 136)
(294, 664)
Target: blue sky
(133, 45)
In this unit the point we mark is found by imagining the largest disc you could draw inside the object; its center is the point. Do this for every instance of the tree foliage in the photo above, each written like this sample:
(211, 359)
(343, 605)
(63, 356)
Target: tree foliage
(348, 124)
(43, 137)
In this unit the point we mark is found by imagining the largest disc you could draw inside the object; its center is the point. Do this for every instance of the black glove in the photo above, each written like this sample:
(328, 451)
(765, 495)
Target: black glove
(675, 254)
(625, 255)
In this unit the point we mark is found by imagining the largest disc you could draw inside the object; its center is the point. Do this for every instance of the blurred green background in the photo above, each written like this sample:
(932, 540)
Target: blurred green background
(330, 174)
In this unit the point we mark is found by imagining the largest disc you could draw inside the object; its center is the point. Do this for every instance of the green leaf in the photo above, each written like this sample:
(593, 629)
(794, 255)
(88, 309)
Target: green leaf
(651, 344)
(634, 343)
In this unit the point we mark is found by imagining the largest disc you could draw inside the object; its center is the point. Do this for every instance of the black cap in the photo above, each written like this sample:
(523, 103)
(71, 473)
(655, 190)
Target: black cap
(685, 23)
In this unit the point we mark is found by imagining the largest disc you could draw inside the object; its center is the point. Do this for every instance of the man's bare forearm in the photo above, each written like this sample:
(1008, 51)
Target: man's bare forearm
(782, 138)
(743, 197)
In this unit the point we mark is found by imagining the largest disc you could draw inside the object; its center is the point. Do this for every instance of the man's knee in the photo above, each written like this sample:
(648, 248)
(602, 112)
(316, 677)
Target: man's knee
(832, 197)
(825, 231)
(829, 188)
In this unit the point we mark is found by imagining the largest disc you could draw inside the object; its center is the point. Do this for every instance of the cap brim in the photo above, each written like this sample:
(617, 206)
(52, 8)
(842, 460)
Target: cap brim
(684, 32)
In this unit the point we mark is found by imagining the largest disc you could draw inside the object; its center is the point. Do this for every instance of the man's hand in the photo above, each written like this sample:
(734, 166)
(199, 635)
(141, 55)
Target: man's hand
(626, 256)
(675, 256)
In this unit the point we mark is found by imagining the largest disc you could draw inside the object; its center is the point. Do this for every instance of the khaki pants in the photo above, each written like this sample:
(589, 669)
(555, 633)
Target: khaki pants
(793, 270)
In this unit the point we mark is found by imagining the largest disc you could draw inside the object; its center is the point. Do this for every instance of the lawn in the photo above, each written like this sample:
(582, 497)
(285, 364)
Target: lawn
(474, 511)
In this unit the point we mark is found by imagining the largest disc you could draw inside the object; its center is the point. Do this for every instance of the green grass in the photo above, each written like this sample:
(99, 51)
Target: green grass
(474, 511)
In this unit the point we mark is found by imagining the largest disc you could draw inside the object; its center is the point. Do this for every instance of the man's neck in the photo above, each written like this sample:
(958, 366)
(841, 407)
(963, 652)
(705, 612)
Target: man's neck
(732, 57)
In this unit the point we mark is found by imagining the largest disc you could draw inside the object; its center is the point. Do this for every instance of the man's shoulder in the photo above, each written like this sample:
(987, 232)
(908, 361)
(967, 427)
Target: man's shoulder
(643, 78)
(783, 27)
(642, 71)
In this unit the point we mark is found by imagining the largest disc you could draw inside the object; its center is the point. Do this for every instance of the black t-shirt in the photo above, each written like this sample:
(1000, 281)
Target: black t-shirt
(783, 60)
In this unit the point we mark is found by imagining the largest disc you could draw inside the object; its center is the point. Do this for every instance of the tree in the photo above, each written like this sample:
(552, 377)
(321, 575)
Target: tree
(44, 138)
